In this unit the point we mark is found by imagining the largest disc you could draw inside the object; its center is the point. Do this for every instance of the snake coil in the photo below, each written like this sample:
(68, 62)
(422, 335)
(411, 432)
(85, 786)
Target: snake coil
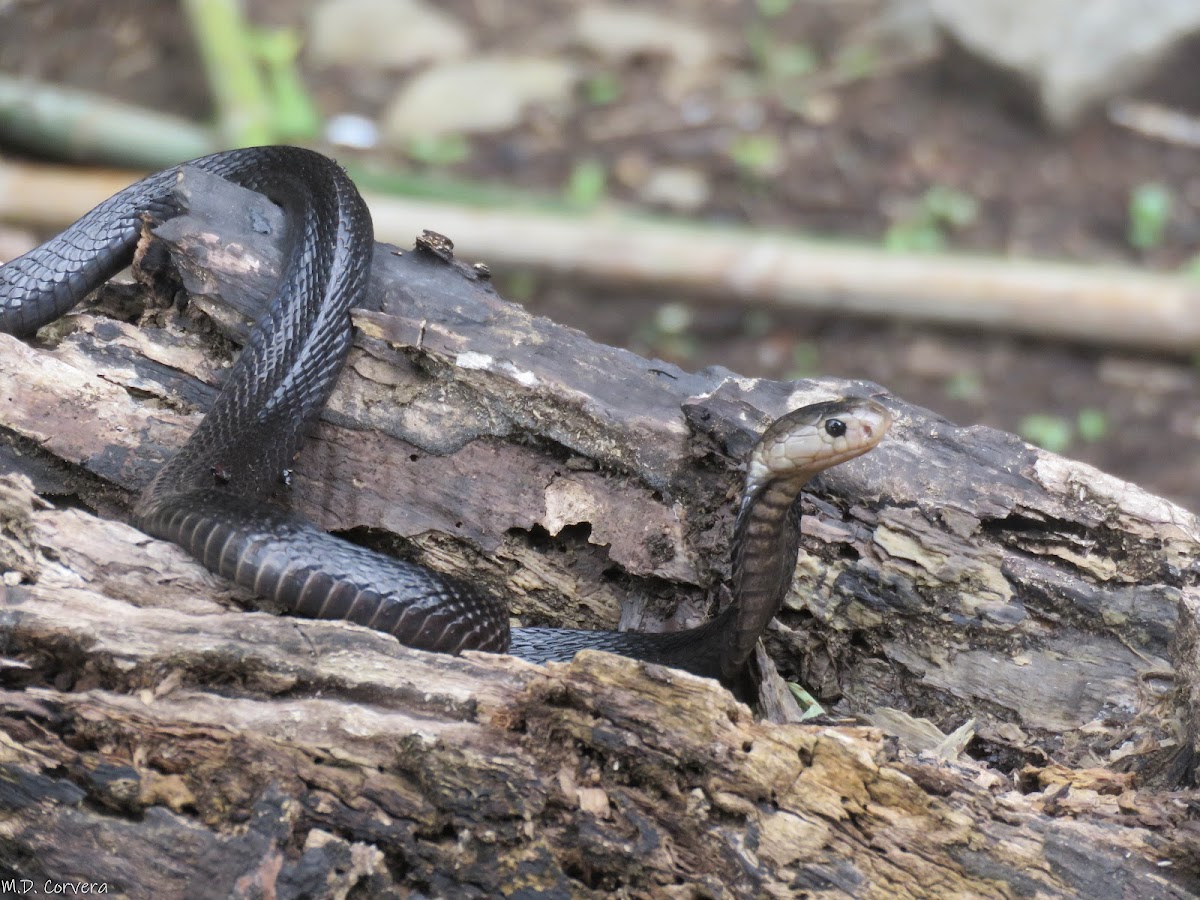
(208, 497)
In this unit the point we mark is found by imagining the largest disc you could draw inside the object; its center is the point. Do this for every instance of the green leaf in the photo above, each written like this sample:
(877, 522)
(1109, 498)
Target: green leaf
(439, 150)
(1049, 432)
(791, 60)
(759, 155)
(949, 206)
(293, 112)
(586, 186)
(806, 701)
(1092, 424)
(602, 89)
(224, 39)
(1149, 211)
(914, 237)
(857, 61)
(964, 386)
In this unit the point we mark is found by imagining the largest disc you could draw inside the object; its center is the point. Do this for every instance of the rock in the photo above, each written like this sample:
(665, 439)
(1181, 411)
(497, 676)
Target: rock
(1072, 55)
(616, 33)
(482, 94)
(384, 34)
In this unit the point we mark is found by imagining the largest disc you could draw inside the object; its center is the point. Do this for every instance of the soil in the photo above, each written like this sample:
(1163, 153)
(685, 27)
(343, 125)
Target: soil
(856, 155)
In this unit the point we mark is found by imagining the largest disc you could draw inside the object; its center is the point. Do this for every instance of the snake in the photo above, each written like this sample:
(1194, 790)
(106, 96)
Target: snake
(215, 496)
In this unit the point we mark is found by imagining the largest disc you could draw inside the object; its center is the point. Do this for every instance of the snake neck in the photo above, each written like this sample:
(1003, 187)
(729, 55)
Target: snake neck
(766, 545)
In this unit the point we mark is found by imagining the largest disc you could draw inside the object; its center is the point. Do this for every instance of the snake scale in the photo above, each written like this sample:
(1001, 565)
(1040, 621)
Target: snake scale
(210, 497)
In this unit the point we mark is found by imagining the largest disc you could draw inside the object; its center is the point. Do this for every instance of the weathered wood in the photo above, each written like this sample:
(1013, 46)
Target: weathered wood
(954, 574)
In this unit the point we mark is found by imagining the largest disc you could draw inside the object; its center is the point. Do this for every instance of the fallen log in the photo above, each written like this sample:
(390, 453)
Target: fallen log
(1008, 613)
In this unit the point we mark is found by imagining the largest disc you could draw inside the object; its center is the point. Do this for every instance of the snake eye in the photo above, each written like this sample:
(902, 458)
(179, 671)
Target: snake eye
(835, 427)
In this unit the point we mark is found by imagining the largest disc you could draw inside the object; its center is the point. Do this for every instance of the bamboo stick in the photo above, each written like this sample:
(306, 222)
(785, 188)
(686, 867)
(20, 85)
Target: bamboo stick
(1107, 305)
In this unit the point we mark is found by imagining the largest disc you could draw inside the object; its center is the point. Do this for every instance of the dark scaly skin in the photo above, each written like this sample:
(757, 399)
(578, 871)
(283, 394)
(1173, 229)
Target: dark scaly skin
(275, 390)
(209, 498)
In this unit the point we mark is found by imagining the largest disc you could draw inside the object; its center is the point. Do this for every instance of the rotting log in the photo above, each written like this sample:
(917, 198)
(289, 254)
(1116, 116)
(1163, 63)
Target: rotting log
(1008, 613)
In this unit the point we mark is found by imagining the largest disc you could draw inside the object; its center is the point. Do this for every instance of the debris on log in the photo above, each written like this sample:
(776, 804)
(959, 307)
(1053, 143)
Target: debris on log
(999, 620)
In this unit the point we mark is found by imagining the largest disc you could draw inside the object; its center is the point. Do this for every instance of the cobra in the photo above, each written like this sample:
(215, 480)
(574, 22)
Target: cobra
(211, 497)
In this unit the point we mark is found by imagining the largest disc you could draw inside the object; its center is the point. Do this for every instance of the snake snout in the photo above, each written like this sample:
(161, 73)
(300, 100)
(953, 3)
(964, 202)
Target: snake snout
(873, 421)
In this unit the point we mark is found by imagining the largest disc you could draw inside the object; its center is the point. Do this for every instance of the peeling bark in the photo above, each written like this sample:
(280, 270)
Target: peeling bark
(1008, 613)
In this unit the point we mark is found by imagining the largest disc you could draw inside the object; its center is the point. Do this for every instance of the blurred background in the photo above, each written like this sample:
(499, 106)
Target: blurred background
(989, 207)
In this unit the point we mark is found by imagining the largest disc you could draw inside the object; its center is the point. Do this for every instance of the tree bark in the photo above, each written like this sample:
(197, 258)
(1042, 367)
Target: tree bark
(1008, 613)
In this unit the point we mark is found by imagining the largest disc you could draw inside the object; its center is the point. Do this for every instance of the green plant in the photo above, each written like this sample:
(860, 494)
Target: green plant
(1053, 433)
(1149, 212)
(941, 210)
(806, 701)
(586, 184)
(757, 155)
(439, 150)
(777, 59)
(857, 61)
(1092, 424)
(602, 88)
(292, 108)
(964, 386)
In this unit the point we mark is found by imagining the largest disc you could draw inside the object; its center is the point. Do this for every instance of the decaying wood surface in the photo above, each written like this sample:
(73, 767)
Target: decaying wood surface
(1009, 614)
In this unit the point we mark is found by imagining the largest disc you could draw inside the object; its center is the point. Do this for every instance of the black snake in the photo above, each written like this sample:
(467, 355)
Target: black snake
(208, 498)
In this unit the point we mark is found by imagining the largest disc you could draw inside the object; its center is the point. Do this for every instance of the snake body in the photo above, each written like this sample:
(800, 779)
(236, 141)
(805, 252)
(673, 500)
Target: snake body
(209, 498)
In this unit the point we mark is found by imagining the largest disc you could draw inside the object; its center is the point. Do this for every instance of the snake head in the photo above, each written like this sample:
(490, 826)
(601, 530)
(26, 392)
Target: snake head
(813, 438)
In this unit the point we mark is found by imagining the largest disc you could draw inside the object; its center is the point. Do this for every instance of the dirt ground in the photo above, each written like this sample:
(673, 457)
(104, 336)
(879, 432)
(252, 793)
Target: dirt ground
(856, 154)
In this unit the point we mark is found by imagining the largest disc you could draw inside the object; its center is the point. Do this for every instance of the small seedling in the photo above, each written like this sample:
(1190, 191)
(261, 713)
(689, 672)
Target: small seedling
(439, 150)
(857, 61)
(964, 386)
(757, 155)
(1092, 424)
(1053, 433)
(1149, 212)
(941, 210)
(587, 183)
(602, 88)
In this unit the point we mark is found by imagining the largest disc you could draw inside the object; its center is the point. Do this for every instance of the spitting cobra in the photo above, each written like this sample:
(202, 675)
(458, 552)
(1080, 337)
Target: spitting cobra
(210, 498)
